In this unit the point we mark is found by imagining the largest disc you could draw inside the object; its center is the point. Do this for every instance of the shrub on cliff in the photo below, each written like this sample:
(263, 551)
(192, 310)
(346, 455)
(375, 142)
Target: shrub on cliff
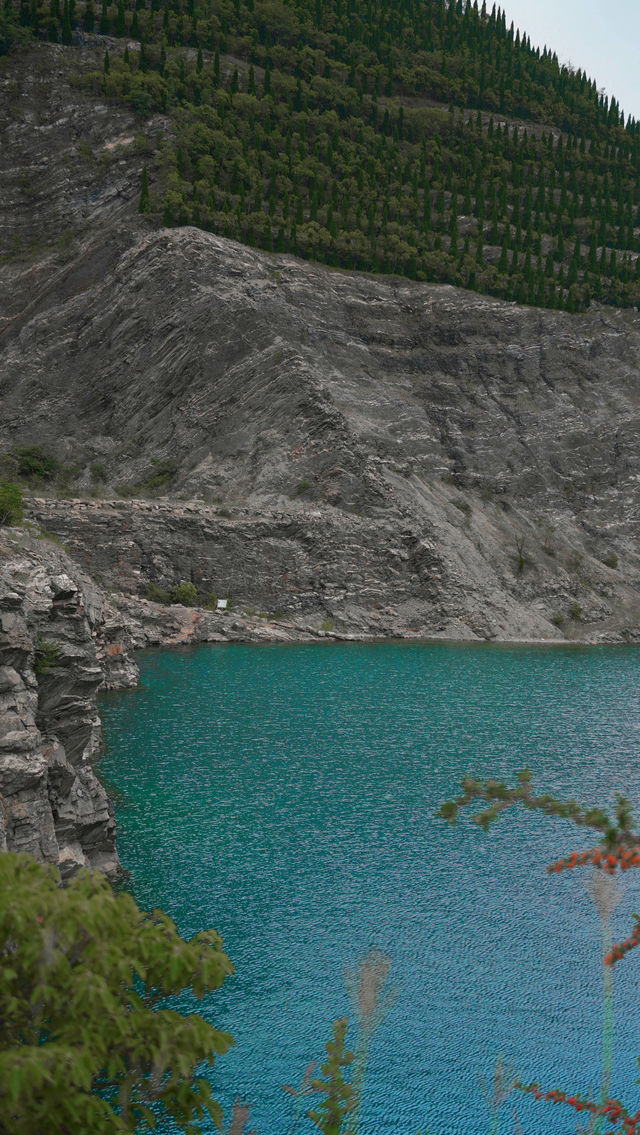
(185, 593)
(83, 1046)
(10, 503)
(46, 656)
(35, 464)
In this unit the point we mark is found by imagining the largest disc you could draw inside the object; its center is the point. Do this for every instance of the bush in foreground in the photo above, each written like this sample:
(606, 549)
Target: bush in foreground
(83, 1046)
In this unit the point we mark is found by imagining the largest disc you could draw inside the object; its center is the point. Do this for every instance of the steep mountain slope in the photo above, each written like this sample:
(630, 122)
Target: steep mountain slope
(426, 139)
(70, 172)
(368, 453)
(336, 453)
(357, 445)
(251, 373)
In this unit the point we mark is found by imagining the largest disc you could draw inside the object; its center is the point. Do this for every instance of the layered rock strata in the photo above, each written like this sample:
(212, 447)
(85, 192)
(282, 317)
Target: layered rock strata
(60, 642)
(394, 457)
(457, 568)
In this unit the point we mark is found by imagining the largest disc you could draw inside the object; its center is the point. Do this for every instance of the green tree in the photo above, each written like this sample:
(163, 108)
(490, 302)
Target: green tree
(83, 1046)
(144, 205)
(185, 593)
(66, 24)
(316, 113)
(339, 1096)
(10, 503)
(34, 463)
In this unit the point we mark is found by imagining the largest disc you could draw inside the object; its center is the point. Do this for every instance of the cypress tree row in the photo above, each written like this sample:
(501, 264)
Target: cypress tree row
(424, 138)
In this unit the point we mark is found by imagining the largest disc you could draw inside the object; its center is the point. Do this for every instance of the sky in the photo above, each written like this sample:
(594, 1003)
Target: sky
(602, 37)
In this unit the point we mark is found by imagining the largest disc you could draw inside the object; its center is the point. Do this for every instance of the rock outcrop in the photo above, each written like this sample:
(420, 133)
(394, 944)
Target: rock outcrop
(458, 570)
(255, 378)
(396, 458)
(59, 643)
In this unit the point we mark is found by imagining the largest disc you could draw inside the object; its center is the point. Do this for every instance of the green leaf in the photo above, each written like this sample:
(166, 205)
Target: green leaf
(78, 968)
(449, 811)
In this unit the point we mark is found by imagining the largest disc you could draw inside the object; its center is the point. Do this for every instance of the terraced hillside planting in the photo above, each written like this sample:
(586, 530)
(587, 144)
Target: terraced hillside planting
(420, 139)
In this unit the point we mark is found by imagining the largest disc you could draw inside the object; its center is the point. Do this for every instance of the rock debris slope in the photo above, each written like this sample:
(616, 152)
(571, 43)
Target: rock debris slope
(395, 456)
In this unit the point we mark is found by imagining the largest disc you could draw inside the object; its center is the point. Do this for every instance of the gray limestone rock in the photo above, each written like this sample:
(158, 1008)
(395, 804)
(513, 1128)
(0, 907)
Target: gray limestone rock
(51, 803)
(396, 457)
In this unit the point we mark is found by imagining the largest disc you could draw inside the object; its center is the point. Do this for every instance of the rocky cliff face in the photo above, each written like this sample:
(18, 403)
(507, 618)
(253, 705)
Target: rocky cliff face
(59, 643)
(70, 170)
(253, 375)
(395, 457)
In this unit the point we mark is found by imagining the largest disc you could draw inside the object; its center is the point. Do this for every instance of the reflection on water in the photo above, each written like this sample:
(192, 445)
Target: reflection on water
(286, 796)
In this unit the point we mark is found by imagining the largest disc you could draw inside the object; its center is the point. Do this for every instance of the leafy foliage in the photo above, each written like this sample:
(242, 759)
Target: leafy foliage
(46, 656)
(163, 471)
(426, 139)
(339, 1096)
(619, 847)
(185, 593)
(84, 1046)
(616, 829)
(33, 463)
(156, 593)
(11, 510)
(34, 466)
(11, 33)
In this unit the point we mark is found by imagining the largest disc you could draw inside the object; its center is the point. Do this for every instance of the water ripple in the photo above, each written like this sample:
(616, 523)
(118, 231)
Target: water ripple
(287, 797)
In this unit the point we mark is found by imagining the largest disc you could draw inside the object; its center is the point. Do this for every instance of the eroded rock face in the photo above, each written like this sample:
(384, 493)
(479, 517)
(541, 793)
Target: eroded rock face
(259, 377)
(59, 643)
(395, 457)
(455, 568)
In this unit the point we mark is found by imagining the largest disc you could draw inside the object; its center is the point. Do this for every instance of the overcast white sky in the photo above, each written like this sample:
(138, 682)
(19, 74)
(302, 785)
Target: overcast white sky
(600, 36)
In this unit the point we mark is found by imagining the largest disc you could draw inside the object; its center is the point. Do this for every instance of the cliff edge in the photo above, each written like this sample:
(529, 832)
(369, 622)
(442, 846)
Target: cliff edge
(60, 642)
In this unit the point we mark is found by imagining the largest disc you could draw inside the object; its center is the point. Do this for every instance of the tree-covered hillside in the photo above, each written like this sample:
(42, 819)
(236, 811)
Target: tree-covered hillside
(397, 136)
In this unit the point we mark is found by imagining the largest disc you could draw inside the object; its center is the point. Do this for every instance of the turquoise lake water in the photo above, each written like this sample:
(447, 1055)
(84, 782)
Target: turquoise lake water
(286, 796)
